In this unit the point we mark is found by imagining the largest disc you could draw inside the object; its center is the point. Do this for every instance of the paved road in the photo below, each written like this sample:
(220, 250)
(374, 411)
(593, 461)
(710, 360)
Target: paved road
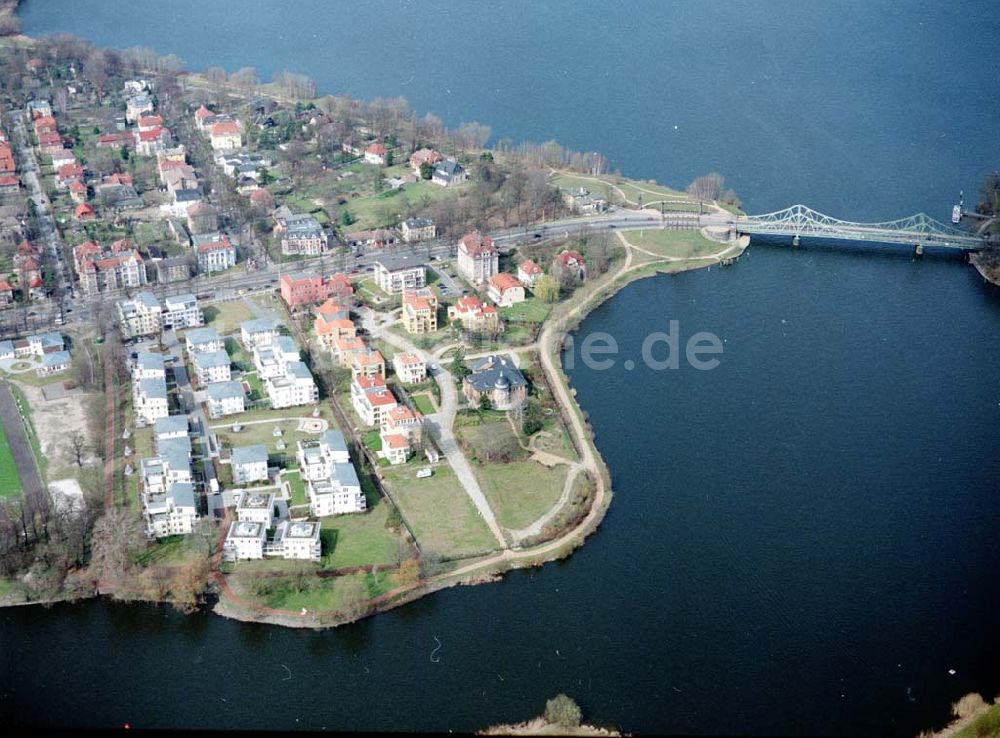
(440, 423)
(46, 220)
(17, 439)
(267, 277)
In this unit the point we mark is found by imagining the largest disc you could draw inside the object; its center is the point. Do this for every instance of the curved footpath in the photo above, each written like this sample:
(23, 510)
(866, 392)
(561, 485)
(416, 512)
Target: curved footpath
(488, 568)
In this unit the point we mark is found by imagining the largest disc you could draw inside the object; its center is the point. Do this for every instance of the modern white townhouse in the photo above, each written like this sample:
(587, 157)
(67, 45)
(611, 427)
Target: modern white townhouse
(249, 464)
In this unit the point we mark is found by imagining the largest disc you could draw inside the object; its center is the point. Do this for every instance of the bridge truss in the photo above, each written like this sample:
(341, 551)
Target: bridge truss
(803, 221)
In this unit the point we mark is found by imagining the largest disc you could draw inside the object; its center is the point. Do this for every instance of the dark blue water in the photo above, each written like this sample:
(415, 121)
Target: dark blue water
(864, 109)
(802, 540)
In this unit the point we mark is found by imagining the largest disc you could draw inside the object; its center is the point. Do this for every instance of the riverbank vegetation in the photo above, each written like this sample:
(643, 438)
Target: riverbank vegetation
(562, 716)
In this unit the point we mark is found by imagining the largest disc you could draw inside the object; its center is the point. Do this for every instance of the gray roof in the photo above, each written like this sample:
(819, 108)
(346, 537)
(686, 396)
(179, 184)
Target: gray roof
(286, 344)
(223, 390)
(153, 388)
(448, 168)
(56, 358)
(494, 371)
(170, 424)
(6, 347)
(345, 475)
(181, 300)
(148, 361)
(397, 263)
(258, 325)
(250, 454)
(192, 194)
(48, 339)
(210, 359)
(418, 222)
(147, 299)
(298, 370)
(175, 451)
(182, 494)
(201, 335)
(334, 439)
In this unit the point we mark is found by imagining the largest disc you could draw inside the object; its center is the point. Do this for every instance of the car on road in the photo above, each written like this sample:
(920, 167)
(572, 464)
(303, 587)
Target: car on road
(537, 235)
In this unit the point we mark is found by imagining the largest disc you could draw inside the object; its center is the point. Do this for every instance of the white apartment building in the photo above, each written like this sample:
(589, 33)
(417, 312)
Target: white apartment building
(295, 387)
(182, 311)
(258, 333)
(211, 366)
(172, 513)
(225, 398)
(340, 493)
(296, 540)
(140, 316)
(249, 464)
(255, 507)
(371, 399)
(148, 365)
(149, 399)
(203, 339)
(317, 457)
(172, 426)
(271, 360)
(394, 274)
(244, 541)
(410, 368)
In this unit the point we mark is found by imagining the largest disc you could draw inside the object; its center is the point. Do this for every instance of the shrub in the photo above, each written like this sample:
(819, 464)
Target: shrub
(563, 711)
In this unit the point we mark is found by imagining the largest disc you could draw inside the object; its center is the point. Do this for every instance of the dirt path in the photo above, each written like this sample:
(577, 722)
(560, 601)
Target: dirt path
(109, 440)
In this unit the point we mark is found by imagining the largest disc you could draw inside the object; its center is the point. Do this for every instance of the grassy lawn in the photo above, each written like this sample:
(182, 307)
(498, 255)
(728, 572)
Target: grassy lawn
(256, 386)
(313, 593)
(226, 316)
(678, 244)
(10, 481)
(387, 208)
(263, 433)
(531, 310)
(373, 440)
(522, 491)
(632, 189)
(172, 550)
(297, 486)
(440, 513)
(360, 539)
(423, 403)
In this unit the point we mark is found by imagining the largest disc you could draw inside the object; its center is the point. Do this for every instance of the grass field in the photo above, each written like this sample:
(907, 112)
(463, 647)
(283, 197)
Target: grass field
(389, 207)
(678, 244)
(170, 551)
(531, 310)
(312, 593)
(522, 491)
(226, 317)
(440, 513)
(424, 403)
(298, 488)
(632, 189)
(984, 726)
(360, 539)
(10, 481)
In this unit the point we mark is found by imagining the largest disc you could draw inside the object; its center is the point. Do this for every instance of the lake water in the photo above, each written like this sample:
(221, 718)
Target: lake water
(802, 540)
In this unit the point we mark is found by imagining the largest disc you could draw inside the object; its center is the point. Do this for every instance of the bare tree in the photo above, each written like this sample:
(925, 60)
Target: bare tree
(78, 442)
(707, 187)
(117, 538)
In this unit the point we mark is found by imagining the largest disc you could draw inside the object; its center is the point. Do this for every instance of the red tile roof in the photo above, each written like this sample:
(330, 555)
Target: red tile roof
(503, 282)
(376, 148)
(476, 244)
(225, 128)
(529, 267)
